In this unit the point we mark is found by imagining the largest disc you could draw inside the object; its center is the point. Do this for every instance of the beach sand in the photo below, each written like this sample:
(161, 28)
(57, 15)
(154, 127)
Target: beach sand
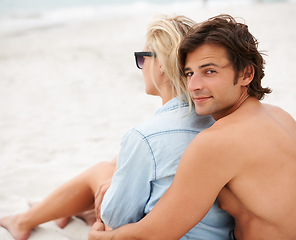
(69, 92)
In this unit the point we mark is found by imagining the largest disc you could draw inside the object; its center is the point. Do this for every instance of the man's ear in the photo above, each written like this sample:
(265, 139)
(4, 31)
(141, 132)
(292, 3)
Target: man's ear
(248, 75)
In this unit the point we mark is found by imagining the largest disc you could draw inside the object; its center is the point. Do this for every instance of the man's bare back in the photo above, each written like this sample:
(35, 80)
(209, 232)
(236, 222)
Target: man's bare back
(262, 196)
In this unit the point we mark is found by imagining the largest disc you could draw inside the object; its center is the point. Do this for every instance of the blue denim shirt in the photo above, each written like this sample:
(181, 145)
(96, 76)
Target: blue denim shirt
(146, 165)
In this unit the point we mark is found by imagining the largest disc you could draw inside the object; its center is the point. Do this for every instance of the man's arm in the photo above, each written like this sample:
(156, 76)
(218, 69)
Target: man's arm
(201, 174)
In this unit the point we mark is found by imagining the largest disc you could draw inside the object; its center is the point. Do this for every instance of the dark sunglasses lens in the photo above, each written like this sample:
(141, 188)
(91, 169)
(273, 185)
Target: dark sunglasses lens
(140, 61)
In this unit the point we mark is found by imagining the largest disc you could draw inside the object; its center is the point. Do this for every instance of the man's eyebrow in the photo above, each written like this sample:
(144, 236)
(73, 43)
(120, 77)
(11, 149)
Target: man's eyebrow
(187, 69)
(202, 66)
(208, 64)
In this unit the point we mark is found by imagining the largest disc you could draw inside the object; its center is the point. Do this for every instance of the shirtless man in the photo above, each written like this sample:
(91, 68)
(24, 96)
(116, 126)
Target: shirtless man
(248, 155)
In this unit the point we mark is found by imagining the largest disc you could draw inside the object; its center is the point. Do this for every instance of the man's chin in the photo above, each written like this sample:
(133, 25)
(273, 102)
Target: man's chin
(202, 112)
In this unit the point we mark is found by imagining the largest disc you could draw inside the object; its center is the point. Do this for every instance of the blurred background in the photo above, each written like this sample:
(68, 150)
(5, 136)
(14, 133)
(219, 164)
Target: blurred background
(70, 89)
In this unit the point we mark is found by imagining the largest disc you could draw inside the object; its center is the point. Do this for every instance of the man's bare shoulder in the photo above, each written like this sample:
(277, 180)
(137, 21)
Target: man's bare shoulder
(213, 152)
(283, 117)
(275, 109)
(220, 141)
(223, 131)
(279, 112)
(222, 145)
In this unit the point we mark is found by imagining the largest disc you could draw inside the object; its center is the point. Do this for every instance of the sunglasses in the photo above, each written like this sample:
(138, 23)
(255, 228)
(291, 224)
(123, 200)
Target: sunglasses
(139, 56)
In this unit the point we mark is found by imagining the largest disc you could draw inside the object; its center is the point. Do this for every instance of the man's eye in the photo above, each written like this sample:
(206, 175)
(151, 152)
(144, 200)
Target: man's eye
(189, 74)
(210, 71)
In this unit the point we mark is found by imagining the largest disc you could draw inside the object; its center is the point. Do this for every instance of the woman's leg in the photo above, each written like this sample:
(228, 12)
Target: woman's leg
(72, 198)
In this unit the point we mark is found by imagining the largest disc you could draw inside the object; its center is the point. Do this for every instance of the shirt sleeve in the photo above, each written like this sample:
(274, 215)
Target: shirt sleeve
(125, 200)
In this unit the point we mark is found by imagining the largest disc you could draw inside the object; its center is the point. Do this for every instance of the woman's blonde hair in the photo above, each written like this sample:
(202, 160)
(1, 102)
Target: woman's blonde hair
(163, 37)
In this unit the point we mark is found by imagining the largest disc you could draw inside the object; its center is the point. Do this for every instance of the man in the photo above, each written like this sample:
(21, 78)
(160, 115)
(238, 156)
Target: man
(247, 158)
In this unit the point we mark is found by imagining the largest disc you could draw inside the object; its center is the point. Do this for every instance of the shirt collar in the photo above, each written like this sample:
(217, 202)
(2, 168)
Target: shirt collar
(172, 105)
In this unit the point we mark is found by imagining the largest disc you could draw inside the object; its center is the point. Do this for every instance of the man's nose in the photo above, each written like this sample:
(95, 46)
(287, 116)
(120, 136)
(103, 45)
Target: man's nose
(195, 83)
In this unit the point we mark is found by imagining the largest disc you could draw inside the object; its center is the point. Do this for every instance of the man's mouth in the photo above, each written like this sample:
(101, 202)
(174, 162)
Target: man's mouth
(200, 99)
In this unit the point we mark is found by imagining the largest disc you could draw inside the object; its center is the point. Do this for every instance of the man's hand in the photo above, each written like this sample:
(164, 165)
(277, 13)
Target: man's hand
(97, 231)
(100, 232)
(99, 197)
(98, 226)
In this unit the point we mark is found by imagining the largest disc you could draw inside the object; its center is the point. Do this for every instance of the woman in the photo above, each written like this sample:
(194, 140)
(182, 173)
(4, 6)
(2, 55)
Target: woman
(149, 154)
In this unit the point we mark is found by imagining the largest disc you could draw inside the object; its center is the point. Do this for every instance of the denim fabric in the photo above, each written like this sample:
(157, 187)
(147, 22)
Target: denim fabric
(146, 165)
(231, 235)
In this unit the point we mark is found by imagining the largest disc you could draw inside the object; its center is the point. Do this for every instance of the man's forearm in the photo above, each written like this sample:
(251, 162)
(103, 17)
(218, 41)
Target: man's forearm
(127, 232)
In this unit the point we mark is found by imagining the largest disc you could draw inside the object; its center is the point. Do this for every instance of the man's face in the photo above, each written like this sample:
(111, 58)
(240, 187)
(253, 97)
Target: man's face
(210, 80)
